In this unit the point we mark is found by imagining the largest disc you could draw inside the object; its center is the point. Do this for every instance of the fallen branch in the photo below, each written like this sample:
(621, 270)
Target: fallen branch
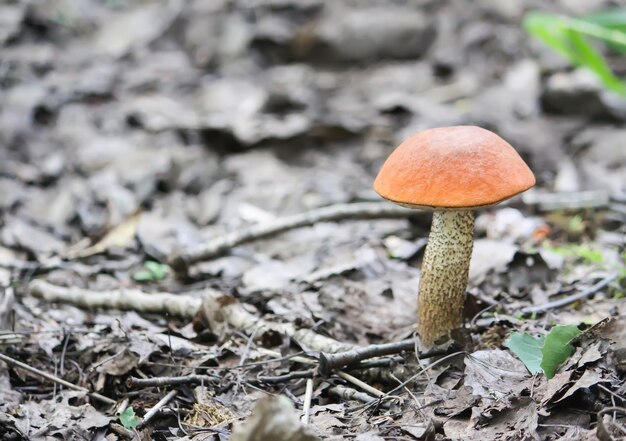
(363, 210)
(568, 300)
(12, 362)
(308, 396)
(567, 200)
(133, 382)
(218, 310)
(157, 407)
(360, 383)
(347, 393)
(122, 299)
(295, 375)
(328, 362)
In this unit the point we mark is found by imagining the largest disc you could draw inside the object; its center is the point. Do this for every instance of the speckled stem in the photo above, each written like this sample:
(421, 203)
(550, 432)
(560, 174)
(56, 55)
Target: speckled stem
(444, 274)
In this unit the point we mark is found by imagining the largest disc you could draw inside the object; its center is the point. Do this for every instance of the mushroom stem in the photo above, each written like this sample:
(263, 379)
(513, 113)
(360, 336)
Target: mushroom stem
(444, 275)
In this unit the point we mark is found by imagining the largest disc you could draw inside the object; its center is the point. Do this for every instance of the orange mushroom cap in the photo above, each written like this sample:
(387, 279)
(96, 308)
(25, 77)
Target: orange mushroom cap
(460, 167)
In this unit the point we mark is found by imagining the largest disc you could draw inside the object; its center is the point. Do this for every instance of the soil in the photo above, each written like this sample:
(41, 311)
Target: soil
(132, 132)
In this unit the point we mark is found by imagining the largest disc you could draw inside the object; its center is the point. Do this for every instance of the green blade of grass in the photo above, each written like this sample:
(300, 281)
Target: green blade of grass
(567, 36)
(611, 18)
(593, 60)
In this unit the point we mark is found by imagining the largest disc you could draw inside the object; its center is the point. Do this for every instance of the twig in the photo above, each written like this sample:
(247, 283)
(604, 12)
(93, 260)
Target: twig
(427, 368)
(122, 431)
(129, 300)
(6, 306)
(328, 362)
(377, 363)
(57, 380)
(157, 407)
(296, 375)
(363, 210)
(308, 396)
(615, 410)
(347, 393)
(134, 382)
(361, 384)
(569, 299)
(567, 200)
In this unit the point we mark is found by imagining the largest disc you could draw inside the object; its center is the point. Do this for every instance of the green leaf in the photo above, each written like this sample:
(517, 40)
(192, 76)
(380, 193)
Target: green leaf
(557, 348)
(610, 18)
(568, 36)
(528, 349)
(549, 28)
(593, 60)
(128, 418)
(544, 353)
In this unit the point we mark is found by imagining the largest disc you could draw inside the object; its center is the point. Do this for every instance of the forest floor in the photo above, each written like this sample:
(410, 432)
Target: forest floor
(134, 134)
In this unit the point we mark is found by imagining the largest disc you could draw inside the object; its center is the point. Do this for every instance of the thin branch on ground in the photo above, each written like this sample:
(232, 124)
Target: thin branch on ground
(328, 362)
(134, 382)
(567, 200)
(295, 375)
(122, 431)
(361, 384)
(122, 299)
(386, 362)
(308, 396)
(7, 298)
(424, 370)
(157, 407)
(347, 393)
(568, 300)
(217, 309)
(12, 362)
(333, 213)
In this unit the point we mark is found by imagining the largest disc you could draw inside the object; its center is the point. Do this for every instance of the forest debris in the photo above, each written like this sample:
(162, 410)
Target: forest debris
(20, 234)
(589, 378)
(7, 298)
(273, 418)
(567, 201)
(119, 236)
(568, 300)
(218, 310)
(207, 415)
(11, 17)
(134, 29)
(388, 32)
(15, 363)
(609, 428)
(131, 299)
(520, 421)
(495, 374)
(347, 394)
(489, 255)
(329, 362)
(331, 213)
(157, 407)
(133, 382)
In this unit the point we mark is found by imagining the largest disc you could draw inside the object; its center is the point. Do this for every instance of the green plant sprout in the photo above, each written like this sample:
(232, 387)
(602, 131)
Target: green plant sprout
(152, 272)
(570, 37)
(584, 252)
(128, 418)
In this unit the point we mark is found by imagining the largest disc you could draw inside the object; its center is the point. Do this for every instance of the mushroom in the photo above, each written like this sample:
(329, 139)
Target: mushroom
(452, 171)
